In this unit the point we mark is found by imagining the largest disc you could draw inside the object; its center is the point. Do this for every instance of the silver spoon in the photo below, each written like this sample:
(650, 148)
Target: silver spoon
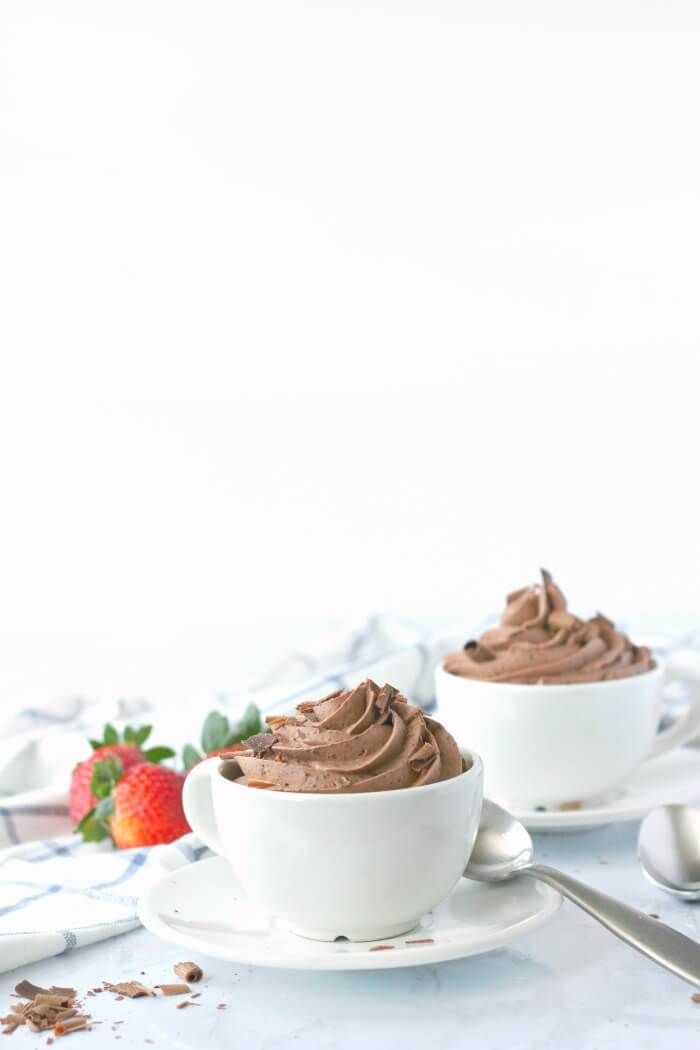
(669, 850)
(504, 850)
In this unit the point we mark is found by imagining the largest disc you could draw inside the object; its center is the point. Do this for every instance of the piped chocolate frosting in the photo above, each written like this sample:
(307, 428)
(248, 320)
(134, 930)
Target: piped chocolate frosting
(368, 738)
(538, 641)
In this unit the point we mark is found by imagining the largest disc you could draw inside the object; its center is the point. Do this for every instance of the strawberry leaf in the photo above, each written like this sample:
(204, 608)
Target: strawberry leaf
(141, 735)
(104, 808)
(92, 828)
(190, 756)
(157, 754)
(105, 775)
(94, 744)
(215, 732)
(110, 735)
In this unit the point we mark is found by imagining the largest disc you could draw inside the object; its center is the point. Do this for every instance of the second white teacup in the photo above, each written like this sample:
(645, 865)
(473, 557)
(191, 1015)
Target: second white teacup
(363, 866)
(557, 745)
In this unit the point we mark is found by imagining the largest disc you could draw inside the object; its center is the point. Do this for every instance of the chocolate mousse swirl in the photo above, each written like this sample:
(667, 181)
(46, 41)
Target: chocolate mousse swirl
(538, 641)
(362, 739)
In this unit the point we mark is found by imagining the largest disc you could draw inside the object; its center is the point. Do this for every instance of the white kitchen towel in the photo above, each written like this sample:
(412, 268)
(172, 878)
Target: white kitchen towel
(56, 893)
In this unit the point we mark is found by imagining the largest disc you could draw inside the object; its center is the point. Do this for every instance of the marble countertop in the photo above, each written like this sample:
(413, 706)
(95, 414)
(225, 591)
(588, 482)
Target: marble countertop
(569, 984)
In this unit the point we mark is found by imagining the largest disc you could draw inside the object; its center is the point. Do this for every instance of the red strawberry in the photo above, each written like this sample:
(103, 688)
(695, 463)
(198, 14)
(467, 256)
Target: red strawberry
(148, 807)
(81, 798)
(140, 807)
(127, 749)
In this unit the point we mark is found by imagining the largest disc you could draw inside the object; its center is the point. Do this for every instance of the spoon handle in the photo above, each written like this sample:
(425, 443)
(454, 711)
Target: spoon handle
(659, 942)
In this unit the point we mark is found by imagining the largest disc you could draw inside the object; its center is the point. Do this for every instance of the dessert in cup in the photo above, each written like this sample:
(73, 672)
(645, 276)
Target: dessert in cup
(562, 709)
(352, 817)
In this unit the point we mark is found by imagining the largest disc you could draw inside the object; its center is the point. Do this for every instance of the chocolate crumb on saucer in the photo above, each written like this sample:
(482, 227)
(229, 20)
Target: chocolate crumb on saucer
(382, 947)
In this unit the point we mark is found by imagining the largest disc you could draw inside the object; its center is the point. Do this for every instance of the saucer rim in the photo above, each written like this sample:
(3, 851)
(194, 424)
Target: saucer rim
(402, 956)
(619, 810)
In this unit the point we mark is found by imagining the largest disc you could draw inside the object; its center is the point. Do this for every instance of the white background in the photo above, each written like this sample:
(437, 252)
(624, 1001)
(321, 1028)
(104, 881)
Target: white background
(312, 310)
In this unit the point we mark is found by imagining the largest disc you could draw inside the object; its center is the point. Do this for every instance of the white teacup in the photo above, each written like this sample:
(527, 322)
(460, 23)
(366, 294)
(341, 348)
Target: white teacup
(553, 745)
(363, 866)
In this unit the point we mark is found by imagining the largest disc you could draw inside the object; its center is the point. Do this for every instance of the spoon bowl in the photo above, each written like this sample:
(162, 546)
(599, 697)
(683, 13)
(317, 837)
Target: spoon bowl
(669, 850)
(503, 847)
(503, 850)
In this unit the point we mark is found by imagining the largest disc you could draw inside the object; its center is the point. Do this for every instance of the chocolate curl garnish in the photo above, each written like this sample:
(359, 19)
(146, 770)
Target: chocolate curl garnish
(422, 757)
(260, 743)
(383, 702)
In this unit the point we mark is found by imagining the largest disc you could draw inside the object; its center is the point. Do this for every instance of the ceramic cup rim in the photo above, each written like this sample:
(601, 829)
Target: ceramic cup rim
(542, 688)
(474, 771)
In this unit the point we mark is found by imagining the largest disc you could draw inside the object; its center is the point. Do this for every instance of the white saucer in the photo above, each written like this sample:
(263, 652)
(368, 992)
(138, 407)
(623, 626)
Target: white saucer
(674, 777)
(202, 908)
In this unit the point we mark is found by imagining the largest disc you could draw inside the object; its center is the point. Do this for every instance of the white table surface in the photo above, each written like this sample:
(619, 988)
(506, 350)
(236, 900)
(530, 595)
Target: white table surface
(568, 985)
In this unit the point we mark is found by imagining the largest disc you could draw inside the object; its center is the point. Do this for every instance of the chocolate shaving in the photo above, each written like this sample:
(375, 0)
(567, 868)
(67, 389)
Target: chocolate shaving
(695, 997)
(10, 1023)
(382, 948)
(422, 940)
(174, 989)
(187, 1002)
(221, 1006)
(74, 1025)
(132, 989)
(260, 743)
(47, 999)
(188, 971)
(69, 993)
(567, 807)
(26, 990)
(46, 1008)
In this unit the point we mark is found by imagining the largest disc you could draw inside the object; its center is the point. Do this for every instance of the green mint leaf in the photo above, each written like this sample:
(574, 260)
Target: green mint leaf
(141, 735)
(157, 754)
(215, 732)
(110, 735)
(190, 756)
(105, 775)
(249, 724)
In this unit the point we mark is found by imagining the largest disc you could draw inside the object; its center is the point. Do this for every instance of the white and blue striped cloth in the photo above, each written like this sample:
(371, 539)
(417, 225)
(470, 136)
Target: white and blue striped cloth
(57, 893)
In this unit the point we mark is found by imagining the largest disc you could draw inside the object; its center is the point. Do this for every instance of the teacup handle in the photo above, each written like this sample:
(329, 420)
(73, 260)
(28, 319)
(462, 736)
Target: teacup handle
(198, 805)
(688, 725)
